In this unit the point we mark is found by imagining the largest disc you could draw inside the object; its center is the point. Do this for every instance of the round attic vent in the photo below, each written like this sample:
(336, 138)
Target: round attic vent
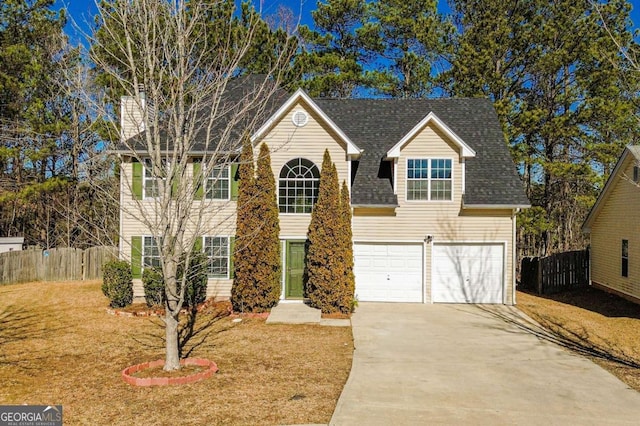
(299, 118)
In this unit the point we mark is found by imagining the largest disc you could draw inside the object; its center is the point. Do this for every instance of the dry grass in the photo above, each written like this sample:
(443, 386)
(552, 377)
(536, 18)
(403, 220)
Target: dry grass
(597, 321)
(58, 346)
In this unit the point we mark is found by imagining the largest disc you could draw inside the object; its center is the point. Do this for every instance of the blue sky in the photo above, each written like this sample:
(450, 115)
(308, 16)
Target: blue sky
(82, 11)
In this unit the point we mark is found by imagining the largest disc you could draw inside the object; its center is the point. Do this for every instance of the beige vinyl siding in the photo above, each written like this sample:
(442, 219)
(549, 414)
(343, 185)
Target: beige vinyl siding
(618, 220)
(218, 216)
(446, 221)
(131, 116)
(287, 142)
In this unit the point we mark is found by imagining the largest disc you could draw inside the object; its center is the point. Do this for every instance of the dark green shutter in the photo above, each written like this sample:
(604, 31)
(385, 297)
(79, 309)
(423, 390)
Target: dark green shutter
(136, 185)
(234, 181)
(175, 182)
(232, 244)
(197, 245)
(198, 181)
(136, 257)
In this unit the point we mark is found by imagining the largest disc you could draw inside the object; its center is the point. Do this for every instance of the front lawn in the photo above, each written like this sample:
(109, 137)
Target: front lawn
(596, 323)
(59, 346)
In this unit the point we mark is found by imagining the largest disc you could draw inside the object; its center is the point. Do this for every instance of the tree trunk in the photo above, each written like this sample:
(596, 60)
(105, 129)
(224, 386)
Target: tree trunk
(172, 357)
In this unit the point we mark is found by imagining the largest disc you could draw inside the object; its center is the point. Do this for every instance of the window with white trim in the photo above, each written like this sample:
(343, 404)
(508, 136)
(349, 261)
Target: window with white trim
(150, 253)
(429, 179)
(217, 251)
(217, 185)
(298, 186)
(150, 182)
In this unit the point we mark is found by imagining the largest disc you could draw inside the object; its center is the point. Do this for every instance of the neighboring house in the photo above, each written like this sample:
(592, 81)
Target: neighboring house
(11, 244)
(434, 193)
(615, 229)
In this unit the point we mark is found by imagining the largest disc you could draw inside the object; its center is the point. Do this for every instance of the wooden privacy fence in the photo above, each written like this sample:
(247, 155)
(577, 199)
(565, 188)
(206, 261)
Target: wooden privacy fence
(60, 264)
(556, 273)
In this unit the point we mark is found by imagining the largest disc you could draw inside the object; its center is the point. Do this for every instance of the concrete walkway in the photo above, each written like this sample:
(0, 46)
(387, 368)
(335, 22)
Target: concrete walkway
(420, 364)
(299, 313)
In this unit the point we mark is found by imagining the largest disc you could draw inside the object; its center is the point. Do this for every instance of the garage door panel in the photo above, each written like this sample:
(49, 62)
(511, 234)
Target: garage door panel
(388, 272)
(468, 273)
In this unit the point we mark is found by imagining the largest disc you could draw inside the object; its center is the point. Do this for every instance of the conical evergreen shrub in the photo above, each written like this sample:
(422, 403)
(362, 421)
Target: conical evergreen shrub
(267, 270)
(244, 258)
(323, 270)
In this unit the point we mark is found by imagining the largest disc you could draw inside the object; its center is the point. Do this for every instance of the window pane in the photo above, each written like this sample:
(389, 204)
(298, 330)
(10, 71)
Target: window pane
(217, 251)
(298, 186)
(441, 190)
(217, 185)
(150, 253)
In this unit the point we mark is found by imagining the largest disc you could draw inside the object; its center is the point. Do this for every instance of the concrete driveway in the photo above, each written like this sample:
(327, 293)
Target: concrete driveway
(458, 364)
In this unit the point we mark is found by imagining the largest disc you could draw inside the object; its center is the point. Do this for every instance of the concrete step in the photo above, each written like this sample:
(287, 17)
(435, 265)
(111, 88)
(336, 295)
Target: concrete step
(294, 313)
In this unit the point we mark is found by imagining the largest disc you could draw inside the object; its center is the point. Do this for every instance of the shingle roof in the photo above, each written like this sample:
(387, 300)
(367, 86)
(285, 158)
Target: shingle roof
(376, 125)
(250, 115)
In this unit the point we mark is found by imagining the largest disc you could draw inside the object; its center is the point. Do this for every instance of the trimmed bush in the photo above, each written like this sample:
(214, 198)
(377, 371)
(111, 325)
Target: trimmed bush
(325, 270)
(196, 291)
(247, 223)
(153, 284)
(117, 283)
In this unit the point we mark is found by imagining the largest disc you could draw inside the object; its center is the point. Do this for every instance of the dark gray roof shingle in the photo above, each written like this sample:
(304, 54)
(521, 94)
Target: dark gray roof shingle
(376, 125)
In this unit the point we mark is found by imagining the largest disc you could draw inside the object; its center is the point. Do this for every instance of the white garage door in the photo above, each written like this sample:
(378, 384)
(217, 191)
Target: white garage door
(467, 273)
(388, 272)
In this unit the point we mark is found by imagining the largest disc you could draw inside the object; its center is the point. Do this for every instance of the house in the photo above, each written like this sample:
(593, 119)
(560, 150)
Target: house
(434, 195)
(11, 244)
(615, 230)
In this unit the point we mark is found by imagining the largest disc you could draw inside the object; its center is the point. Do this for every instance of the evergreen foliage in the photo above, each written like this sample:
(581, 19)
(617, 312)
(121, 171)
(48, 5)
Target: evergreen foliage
(564, 95)
(195, 281)
(325, 269)
(268, 269)
(153, 285)
(244, 257)
(117, 284)
(336, 52)
(413, 38)
(347, 287)
(256, 285)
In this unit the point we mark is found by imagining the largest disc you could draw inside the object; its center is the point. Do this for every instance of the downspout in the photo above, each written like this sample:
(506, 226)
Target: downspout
(513, 254)
(120, 234)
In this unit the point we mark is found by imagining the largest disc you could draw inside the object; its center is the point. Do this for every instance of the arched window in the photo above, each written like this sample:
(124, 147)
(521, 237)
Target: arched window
(298, 186)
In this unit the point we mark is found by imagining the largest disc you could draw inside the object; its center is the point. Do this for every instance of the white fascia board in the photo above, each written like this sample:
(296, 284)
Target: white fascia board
(300, 94)
(465, 150)
(496, 206)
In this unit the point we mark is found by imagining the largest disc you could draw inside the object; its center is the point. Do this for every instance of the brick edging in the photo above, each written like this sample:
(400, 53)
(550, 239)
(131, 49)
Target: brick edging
(164, 381)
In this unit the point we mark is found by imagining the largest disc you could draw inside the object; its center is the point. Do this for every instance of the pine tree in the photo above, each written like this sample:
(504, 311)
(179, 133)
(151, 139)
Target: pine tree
(323, 269)
(267, 270)
(337, 51)
(346, 289)
(413, 37)
(563, 94)
(244, 255)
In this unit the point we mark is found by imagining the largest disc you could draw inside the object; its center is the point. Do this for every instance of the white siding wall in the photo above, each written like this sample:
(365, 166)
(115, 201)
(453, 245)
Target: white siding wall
(413, 220)
(444, 220)
(618, 220)
(131, 117)
(287, 142)
(138, 215)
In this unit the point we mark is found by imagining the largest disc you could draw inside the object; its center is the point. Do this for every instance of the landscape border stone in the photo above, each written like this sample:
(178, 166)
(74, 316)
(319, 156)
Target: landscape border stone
(210, 369)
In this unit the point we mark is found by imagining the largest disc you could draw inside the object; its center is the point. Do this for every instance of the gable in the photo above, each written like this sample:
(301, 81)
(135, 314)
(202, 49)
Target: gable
(431, 121)
(622, 170)
(303, 102)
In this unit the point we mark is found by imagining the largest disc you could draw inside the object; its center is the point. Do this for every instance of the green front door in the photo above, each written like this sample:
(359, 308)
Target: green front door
(295, 269)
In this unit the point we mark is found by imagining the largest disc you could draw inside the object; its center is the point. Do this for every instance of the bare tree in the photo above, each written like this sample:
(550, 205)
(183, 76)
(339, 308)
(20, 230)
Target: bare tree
(183, 99)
